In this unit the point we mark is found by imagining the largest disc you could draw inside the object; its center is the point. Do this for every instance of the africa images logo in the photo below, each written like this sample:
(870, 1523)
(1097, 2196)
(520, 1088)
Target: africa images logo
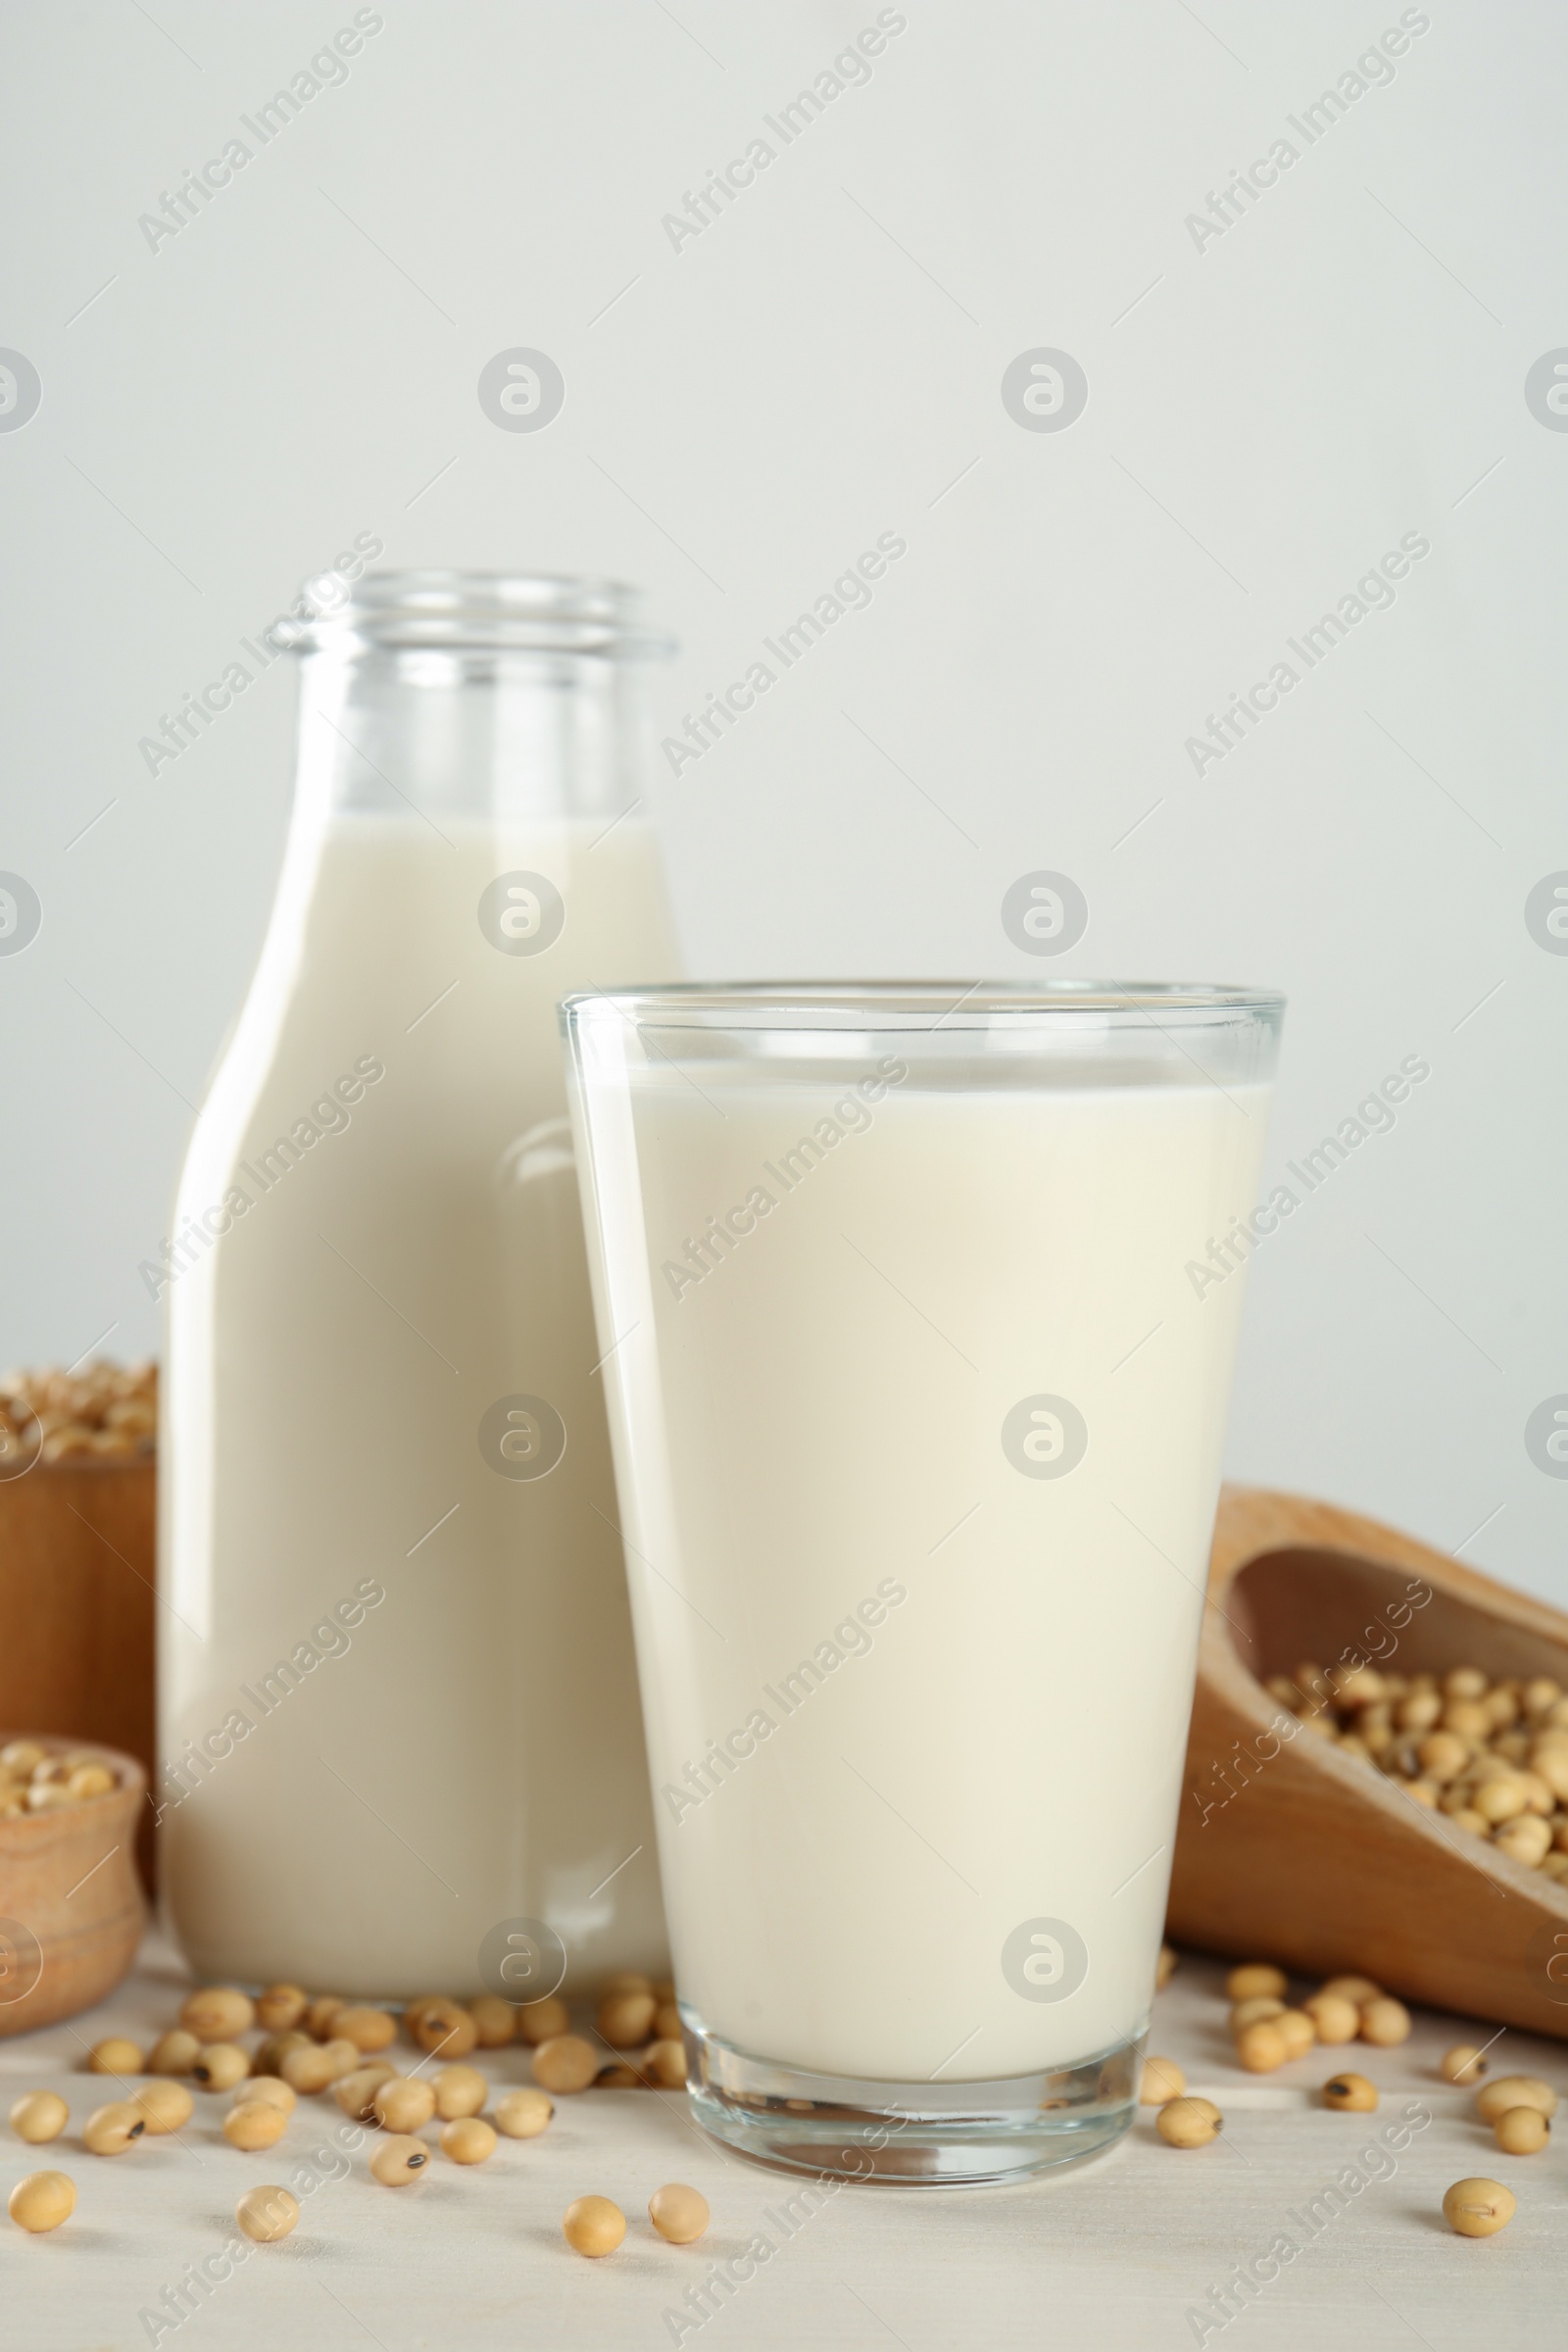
(1044, 1960)
(1045, 390)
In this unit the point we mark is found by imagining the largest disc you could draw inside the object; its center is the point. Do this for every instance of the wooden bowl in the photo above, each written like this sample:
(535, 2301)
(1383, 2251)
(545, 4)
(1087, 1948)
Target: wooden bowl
(1289, 1850)
(70, 1903)
(78, 1571)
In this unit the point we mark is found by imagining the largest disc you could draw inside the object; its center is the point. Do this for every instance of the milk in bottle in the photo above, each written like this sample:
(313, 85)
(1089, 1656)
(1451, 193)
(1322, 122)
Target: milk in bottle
(399, 1708)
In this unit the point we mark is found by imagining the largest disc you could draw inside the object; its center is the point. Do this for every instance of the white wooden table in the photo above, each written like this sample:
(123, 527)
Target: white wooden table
(1115, 2257)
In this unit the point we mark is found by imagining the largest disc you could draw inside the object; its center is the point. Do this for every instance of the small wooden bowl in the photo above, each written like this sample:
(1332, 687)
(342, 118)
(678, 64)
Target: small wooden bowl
(70, 1905)
(78, 1571)
(1291, 1852)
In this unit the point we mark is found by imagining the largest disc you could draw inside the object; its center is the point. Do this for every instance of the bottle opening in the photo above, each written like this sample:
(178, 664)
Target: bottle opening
(483, 611)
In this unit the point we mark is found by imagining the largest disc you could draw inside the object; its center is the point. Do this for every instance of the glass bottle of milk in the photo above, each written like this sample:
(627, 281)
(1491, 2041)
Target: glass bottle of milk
(399, 1708)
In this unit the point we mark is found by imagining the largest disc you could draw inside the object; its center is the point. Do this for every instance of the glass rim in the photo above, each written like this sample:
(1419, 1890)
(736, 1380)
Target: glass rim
(436, 610)
(834, 1004)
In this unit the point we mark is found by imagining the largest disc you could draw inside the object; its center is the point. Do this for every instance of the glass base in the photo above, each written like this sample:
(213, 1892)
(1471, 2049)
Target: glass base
(942, 2134)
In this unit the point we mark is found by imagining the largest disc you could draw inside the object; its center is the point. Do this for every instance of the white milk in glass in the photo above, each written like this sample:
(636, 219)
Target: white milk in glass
(399, 1700)
(924, 1686)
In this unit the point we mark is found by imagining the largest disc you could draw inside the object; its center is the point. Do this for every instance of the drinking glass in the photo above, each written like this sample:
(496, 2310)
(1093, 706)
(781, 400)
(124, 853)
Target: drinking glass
(918, 1306)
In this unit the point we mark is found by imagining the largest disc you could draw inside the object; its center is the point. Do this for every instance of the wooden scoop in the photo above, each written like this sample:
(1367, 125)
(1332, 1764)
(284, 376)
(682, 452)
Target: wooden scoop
(1290, 1850)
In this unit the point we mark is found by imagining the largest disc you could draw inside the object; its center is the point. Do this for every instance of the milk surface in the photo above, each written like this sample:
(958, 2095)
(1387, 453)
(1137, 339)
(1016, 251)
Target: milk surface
(904, 1698)
(467, 1748)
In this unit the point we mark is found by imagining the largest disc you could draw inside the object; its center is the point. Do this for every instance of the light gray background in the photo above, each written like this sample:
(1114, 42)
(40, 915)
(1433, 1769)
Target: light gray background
(1266, 417)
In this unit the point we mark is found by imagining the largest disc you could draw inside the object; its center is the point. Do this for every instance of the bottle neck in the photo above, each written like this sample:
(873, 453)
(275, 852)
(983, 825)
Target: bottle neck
(505, 736)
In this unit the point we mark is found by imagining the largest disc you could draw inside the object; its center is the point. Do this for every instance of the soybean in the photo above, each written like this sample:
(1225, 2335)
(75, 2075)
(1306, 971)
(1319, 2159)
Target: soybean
(1162, 2082)
(398, 2160)
(1357, 1991)
(565, 2063)
(369, 2029)
(1384, 2022)
(1247, 2013)
(339, 2058)
(1527, 1839)
(39, 2116)
(542, 2020)
(255, 2124)
(42, 2201)
(1188, 2123)
(625, 2019)
(1464, 2062)
(281, 2006)
(221, 2066)
(269, 2059)
(524, 2113)
(270, 2087)
(460, 2090)
(468, 2140)
(218, 2013)
(1522, 2130)
(1499, 1798)
(1349, 2094)
(1479, 2208)
(666, 2061)
(116, 2056)
(267, 2214)
(165, 2105)
(173, 2053)
(1261, 2047)
(1443, 1755)
(1299, 2031)
(110, 2130)
(495, 2020)
(1514, 2090)
(1256, 1979)
(444, 2027)
(356, 2093)
(403, 2104)
(593, 2226)
(308, 2069)
(1335, 2018)
(413, 2010)
(679, 2213)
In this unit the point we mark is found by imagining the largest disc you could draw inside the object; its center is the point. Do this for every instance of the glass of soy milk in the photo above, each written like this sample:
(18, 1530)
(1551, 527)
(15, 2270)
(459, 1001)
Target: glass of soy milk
(917, 1415)
(400, 1734)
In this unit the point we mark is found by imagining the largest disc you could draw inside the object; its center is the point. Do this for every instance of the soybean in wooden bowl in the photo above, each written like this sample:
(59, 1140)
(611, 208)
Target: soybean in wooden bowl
(70, 1905)
(1297, 1844)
